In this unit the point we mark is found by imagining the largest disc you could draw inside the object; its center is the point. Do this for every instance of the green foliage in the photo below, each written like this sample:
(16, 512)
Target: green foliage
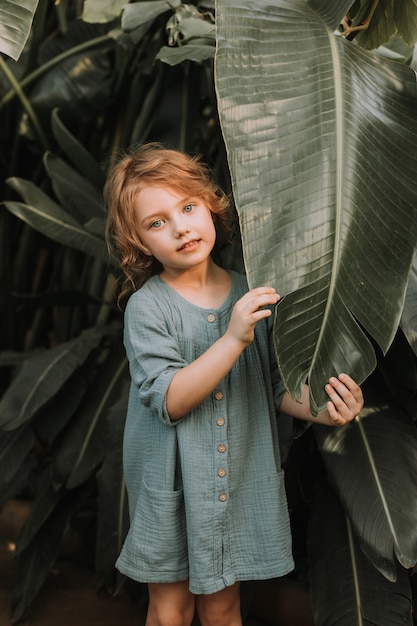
(17, 16)
(332, 138)
(373, 24)
(96, 89)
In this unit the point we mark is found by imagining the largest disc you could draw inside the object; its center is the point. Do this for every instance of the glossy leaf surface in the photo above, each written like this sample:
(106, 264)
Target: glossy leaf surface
(42, 376)
(113, 513)
(45, 215)
(15, 22)
(372, 464)
(409, 315)
(346, 589)
(321, 139)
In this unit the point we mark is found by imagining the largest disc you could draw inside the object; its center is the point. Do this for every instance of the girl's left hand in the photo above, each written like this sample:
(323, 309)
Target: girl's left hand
(346, 399)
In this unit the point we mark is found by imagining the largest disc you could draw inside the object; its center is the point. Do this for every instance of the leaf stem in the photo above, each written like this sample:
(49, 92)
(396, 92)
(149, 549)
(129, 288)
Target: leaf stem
(18, 91)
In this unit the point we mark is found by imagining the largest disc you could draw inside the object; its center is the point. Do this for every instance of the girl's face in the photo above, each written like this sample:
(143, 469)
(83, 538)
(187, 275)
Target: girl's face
(176, 229)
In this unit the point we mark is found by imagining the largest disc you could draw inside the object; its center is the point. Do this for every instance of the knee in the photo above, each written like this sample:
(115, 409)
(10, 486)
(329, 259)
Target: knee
(170, 615)
(170, 604)
(219, 617)
(220, 609)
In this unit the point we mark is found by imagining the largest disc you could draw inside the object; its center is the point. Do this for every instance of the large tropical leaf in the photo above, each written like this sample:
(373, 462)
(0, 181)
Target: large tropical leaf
(15, 488)
(43, 505)
(332, 13)
(77, 154)
(190, 52)
(375, 23)
(321, 138)
(99, 11)
(113, 511)
(42, 376)
(62, 406)
(346, 589)
(138, 16)
(372, 464)
(35, 563)
(83, 447)
(14, 448)
(43, 214)
(15, 22)
(409, 315)
(86, 203)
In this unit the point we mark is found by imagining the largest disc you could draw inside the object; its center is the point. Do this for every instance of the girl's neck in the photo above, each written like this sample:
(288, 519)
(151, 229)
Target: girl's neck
(207, 286)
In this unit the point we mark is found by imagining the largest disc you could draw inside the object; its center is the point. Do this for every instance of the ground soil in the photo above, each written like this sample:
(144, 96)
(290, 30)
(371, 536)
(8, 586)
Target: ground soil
(71, 595)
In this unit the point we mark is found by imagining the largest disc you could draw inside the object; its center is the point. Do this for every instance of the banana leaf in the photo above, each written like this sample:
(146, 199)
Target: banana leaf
(372, 464)
(99, 11)
(332, 13)
(35, 563)
(14, 448)
(83, 446)
(113, 511)
(321, 138)
(58, 411)
(388, 18)
(409, 314)
(86, 203)
(76, 153)
(42, 376)
(42, 507)
(44, 215)
(16, 18)
(138, 16)
(189, 52)
(345, 587)
(20, 482)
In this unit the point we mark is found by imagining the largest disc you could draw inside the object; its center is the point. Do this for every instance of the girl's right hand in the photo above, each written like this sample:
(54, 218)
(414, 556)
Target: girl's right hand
(248, 311)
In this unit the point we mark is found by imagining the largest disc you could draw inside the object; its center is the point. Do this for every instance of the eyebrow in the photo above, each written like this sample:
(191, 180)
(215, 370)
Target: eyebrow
(150, 217)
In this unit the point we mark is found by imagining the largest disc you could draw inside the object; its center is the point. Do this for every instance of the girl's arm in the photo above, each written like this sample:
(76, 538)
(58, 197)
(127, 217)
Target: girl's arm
(345, 403)
(194, 382)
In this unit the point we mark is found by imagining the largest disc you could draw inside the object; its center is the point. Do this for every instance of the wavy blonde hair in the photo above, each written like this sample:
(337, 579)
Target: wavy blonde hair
(154, 164)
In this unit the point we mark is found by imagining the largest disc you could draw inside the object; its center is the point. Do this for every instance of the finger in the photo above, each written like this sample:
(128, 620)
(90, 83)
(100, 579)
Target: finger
(262, 295)
(340, 403)
(335, 417)
(352, 385)
(265, 299)
(356, 393)
(256, 302)
(260, 314)
(352, 393)
(261, 290)
(343, 400)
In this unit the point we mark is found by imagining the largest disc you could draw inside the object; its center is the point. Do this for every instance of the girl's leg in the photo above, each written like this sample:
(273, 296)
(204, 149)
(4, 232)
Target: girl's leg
(170, 604)
(221, 608)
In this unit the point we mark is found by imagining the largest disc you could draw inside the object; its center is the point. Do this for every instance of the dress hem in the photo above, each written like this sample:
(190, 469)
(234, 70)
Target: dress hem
(225, 580)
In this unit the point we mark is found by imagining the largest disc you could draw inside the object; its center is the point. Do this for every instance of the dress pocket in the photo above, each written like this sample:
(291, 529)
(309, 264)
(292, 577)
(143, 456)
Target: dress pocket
(158, 530)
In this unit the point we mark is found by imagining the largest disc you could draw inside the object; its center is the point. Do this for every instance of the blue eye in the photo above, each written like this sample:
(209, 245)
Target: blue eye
(188, 208)
(156, 224)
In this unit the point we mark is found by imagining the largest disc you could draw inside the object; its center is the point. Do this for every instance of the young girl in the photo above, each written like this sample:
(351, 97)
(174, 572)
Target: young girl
(201, 454)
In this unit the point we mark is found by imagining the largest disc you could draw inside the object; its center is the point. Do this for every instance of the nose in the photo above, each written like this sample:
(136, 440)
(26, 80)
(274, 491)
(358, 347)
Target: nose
(181, 227)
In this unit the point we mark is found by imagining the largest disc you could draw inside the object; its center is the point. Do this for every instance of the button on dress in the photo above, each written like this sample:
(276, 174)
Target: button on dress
(206, 492)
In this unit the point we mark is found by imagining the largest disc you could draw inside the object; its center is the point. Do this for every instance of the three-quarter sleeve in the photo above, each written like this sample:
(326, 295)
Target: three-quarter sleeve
(153, 353)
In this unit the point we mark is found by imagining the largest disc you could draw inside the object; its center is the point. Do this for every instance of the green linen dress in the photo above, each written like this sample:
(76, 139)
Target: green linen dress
(206, 493)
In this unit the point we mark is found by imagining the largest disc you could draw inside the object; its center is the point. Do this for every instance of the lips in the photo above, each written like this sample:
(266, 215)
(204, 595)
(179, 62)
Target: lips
(189, 244)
